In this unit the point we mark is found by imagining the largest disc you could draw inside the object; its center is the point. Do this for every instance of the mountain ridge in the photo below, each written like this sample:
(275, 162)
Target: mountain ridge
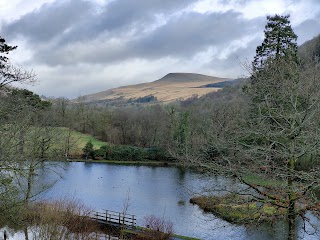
(171, 87)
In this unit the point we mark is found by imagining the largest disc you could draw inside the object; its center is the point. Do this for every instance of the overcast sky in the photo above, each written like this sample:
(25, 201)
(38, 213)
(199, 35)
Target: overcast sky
(77, 47)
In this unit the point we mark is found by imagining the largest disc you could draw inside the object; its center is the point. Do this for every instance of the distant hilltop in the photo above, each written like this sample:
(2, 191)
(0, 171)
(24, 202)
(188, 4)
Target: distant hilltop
(171, 87)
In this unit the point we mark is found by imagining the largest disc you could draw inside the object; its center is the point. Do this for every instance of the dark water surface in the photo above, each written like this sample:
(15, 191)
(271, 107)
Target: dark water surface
(160, 191)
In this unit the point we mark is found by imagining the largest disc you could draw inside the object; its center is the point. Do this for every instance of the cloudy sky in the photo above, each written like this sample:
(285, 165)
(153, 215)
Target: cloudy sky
(78, 47)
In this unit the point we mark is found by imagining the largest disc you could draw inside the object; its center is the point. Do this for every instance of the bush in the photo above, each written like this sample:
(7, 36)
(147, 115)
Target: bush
(88, 150)
(157, 228)
(102, 152)
(127, 153)
(156, 153)
(60, 220)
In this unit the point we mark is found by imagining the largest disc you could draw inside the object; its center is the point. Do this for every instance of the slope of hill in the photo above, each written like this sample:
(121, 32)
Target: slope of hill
(171, 87)
(310, 49)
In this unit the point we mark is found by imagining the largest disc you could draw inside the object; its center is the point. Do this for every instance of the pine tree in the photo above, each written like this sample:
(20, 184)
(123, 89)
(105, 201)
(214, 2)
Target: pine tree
(283, 124)
(88, 150)
(280, 41)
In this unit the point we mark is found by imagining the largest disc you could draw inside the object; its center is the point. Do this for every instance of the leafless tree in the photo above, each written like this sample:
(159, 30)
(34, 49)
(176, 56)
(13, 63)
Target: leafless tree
(9, 73)
(278, 140)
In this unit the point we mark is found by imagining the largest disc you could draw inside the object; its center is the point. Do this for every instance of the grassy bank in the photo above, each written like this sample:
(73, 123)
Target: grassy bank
(100, 151)
(116, 162)
(142, 233)
(263, 182)
(238, 209)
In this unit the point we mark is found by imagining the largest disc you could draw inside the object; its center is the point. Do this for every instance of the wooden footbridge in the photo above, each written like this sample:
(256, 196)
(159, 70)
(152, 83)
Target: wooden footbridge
(114, 219)
(119, 221)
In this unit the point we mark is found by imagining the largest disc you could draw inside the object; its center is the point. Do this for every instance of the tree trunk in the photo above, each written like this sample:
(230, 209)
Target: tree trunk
(21, 141)
(29, 186)
(67, 147)
(25, 230)
(27, 197)
(291, 215)
(291, 221)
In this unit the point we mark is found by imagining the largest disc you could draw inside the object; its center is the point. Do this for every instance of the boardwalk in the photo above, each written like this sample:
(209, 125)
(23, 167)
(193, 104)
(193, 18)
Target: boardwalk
(115, 219)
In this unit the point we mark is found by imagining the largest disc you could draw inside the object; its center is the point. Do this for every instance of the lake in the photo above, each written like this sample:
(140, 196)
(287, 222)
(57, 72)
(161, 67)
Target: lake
(159, 191)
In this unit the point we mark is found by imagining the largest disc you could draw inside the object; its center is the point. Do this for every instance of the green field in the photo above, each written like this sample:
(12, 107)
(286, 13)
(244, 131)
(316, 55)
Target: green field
(79, 140)
(82, 139)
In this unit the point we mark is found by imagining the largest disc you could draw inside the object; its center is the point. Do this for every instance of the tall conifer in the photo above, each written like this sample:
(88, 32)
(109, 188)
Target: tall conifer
(280, 41)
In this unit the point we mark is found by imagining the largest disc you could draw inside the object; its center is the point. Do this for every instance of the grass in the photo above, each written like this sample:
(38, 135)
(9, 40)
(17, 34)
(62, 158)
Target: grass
(165, 91)
(144, 163)
(184, 237)
(82, 139)
(78, 140)
(263, 182)
(141, 229)
(238, 209)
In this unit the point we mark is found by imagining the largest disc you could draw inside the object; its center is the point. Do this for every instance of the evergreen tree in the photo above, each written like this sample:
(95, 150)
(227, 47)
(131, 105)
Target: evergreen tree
(280, 41)
(282, 128)
(88, 150)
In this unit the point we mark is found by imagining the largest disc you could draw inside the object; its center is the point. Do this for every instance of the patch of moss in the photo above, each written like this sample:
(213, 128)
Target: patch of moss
(263, 182)
(238, 209)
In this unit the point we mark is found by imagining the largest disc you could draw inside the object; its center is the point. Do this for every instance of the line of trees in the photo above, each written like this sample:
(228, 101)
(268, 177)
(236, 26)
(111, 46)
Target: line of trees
(27, 138)
(277, 137)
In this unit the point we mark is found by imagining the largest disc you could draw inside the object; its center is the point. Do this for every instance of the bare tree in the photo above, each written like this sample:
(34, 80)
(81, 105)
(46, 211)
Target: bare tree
(278, 141)
(11, 74)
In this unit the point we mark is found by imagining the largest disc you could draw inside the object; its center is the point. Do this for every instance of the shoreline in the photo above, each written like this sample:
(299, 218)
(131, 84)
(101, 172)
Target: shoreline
(138, 163)
(237, 209)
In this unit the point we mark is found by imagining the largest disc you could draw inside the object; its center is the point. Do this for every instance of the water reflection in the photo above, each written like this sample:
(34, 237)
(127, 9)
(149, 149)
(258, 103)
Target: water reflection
(161, 191)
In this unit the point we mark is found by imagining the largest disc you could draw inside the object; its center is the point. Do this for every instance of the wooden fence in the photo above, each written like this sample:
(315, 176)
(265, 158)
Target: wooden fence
(114, 218)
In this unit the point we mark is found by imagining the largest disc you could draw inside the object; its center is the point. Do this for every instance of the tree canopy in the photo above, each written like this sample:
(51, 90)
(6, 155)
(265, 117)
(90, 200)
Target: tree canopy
(279, 41)
(281, 132)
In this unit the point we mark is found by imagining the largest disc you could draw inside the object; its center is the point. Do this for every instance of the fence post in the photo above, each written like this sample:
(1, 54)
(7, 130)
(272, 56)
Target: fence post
(107, 215)
(119, 219)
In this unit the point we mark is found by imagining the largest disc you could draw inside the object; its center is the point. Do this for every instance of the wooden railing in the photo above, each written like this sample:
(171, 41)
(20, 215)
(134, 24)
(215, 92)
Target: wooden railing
(115, 218)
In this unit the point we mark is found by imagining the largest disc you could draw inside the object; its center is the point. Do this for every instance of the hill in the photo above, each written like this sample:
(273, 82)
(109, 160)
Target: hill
(310, 49)
(171, 87)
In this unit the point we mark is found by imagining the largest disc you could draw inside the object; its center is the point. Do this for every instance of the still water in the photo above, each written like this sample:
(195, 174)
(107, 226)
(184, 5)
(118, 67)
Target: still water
(159, 191)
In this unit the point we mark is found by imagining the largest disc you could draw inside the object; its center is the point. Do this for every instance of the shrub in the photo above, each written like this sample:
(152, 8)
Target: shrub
(103, 152)
(60, 220)
(88, 150)
(129, 153)
(157, 229)
(156, 153)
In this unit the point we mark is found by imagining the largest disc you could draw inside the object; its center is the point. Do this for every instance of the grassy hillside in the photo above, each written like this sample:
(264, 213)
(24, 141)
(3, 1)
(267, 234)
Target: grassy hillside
(82, 139)
(78, 140)
(171, 87)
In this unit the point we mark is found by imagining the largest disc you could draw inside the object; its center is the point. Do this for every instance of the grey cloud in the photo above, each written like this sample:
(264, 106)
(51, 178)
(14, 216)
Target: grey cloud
(59, 25)
(307, 30)
(122, 16)
(192, 32)
(77, 19)
(236, 61)
(183, 36)
(127, 13)
(50, 21)
(67, 35)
